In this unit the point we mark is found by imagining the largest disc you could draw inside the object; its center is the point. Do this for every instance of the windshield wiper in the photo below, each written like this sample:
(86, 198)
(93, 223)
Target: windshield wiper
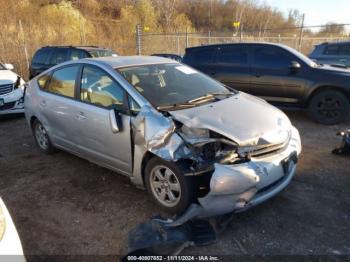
(209, 96)
(175, 106)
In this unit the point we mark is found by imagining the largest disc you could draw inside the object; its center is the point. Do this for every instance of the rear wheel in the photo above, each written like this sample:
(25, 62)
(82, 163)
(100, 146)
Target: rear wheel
(329, 107)
(168, 186)
(42, 138)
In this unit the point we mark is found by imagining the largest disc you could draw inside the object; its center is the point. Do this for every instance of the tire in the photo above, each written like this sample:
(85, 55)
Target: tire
(168, 187)
(329, 107)
(42, 138)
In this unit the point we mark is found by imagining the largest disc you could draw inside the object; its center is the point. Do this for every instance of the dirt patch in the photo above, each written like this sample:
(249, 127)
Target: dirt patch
(62, 204)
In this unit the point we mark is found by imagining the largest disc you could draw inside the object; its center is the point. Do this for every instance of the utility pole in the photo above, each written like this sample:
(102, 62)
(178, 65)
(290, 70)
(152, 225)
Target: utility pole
(301, 32)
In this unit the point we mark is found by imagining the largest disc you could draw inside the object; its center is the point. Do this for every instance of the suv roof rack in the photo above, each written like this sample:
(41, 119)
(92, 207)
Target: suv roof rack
(74, 46)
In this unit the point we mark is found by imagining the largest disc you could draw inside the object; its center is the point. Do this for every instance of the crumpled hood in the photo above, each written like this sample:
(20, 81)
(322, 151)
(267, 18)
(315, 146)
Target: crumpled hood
(243, 118)
(7, 77)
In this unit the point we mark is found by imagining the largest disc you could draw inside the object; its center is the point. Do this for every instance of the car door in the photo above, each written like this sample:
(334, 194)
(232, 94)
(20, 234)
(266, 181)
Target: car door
(273, 78)
(56, 103)
(232, 66)
(99, 97)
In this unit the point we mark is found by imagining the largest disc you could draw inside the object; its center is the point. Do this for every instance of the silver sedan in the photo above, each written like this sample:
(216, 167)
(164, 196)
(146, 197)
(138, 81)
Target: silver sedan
(183, 136)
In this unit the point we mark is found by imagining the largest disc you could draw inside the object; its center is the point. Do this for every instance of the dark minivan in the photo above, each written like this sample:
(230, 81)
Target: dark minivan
(49, 56)
(278, 74)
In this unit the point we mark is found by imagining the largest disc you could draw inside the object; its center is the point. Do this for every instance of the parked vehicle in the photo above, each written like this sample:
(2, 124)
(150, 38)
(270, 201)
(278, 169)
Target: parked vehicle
(180, 134)
(11, 91)
(49, 56)
(278, 74)
(333, 53)
(10, 243)
(171, 56)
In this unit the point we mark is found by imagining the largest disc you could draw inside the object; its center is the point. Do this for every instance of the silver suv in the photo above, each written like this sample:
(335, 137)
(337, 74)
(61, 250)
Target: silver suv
(173, 130)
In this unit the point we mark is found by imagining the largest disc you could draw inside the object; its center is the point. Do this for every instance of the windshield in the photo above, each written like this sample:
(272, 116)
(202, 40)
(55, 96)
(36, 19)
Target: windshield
(171, 84)
(301, 56)
(102, 53)
(2, 67)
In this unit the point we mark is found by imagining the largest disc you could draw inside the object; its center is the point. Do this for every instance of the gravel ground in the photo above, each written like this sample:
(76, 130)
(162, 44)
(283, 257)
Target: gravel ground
(64, 205)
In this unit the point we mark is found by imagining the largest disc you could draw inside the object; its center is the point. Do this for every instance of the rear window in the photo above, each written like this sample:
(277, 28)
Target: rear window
(42, 56)
(331, 50)
(202, 56)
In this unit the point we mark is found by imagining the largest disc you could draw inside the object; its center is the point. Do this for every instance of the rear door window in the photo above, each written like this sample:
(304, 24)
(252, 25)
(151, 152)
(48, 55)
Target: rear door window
(233, 55)
(271, 57)
(331, 50)
(344, 50)
(59, 56)
(42, 56)
(63, 81)
(202, 56)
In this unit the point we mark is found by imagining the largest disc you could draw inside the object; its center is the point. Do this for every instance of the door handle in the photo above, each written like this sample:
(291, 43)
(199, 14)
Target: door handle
(43, 103)
(257, 75)
(81, 116)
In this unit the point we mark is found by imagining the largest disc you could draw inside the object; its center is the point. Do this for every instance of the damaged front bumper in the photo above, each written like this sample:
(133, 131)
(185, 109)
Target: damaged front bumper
(12, 103)
(237, 187)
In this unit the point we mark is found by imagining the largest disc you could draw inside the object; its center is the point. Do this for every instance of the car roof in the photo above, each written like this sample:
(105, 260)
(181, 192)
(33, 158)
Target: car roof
(334, 43)
(79, 47)
(125, 61)
(239, 43)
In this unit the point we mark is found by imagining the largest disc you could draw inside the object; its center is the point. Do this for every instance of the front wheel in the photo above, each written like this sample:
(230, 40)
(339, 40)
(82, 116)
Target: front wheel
(168, 186)
(329, 107)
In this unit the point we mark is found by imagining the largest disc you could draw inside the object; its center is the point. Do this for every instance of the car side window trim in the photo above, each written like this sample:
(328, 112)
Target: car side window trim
(126, 109)
(50, 78)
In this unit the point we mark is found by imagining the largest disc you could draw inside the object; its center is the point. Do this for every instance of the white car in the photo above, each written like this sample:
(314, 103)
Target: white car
(11, 91)
(10, 244)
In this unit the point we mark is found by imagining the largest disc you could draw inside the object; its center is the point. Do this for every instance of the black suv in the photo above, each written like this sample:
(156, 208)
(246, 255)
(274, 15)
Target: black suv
(278, 74)
(49, 56)
(336, 53)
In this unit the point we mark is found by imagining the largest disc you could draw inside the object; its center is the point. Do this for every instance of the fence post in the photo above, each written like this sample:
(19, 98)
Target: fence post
(241, 34)
(186, 44)
(138, 39)
(301, 33)
(178, 42)
(24, 43)
(209, 38)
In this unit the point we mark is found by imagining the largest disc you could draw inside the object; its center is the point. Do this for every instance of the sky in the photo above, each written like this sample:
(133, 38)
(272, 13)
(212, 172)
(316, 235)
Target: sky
(317, 12)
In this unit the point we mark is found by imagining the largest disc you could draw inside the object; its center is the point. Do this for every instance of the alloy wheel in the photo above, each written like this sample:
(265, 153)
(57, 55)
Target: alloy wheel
(165, 186)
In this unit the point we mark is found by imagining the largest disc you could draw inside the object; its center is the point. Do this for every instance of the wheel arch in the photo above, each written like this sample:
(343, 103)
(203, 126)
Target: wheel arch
(322, 88)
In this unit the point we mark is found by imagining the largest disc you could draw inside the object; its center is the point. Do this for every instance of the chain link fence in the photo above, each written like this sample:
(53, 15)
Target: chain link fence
(176, 43)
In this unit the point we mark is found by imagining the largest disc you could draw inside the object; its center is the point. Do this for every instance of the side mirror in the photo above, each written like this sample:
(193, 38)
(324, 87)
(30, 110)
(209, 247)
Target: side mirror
(294, 66)
(115, 121)
(9, 66)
